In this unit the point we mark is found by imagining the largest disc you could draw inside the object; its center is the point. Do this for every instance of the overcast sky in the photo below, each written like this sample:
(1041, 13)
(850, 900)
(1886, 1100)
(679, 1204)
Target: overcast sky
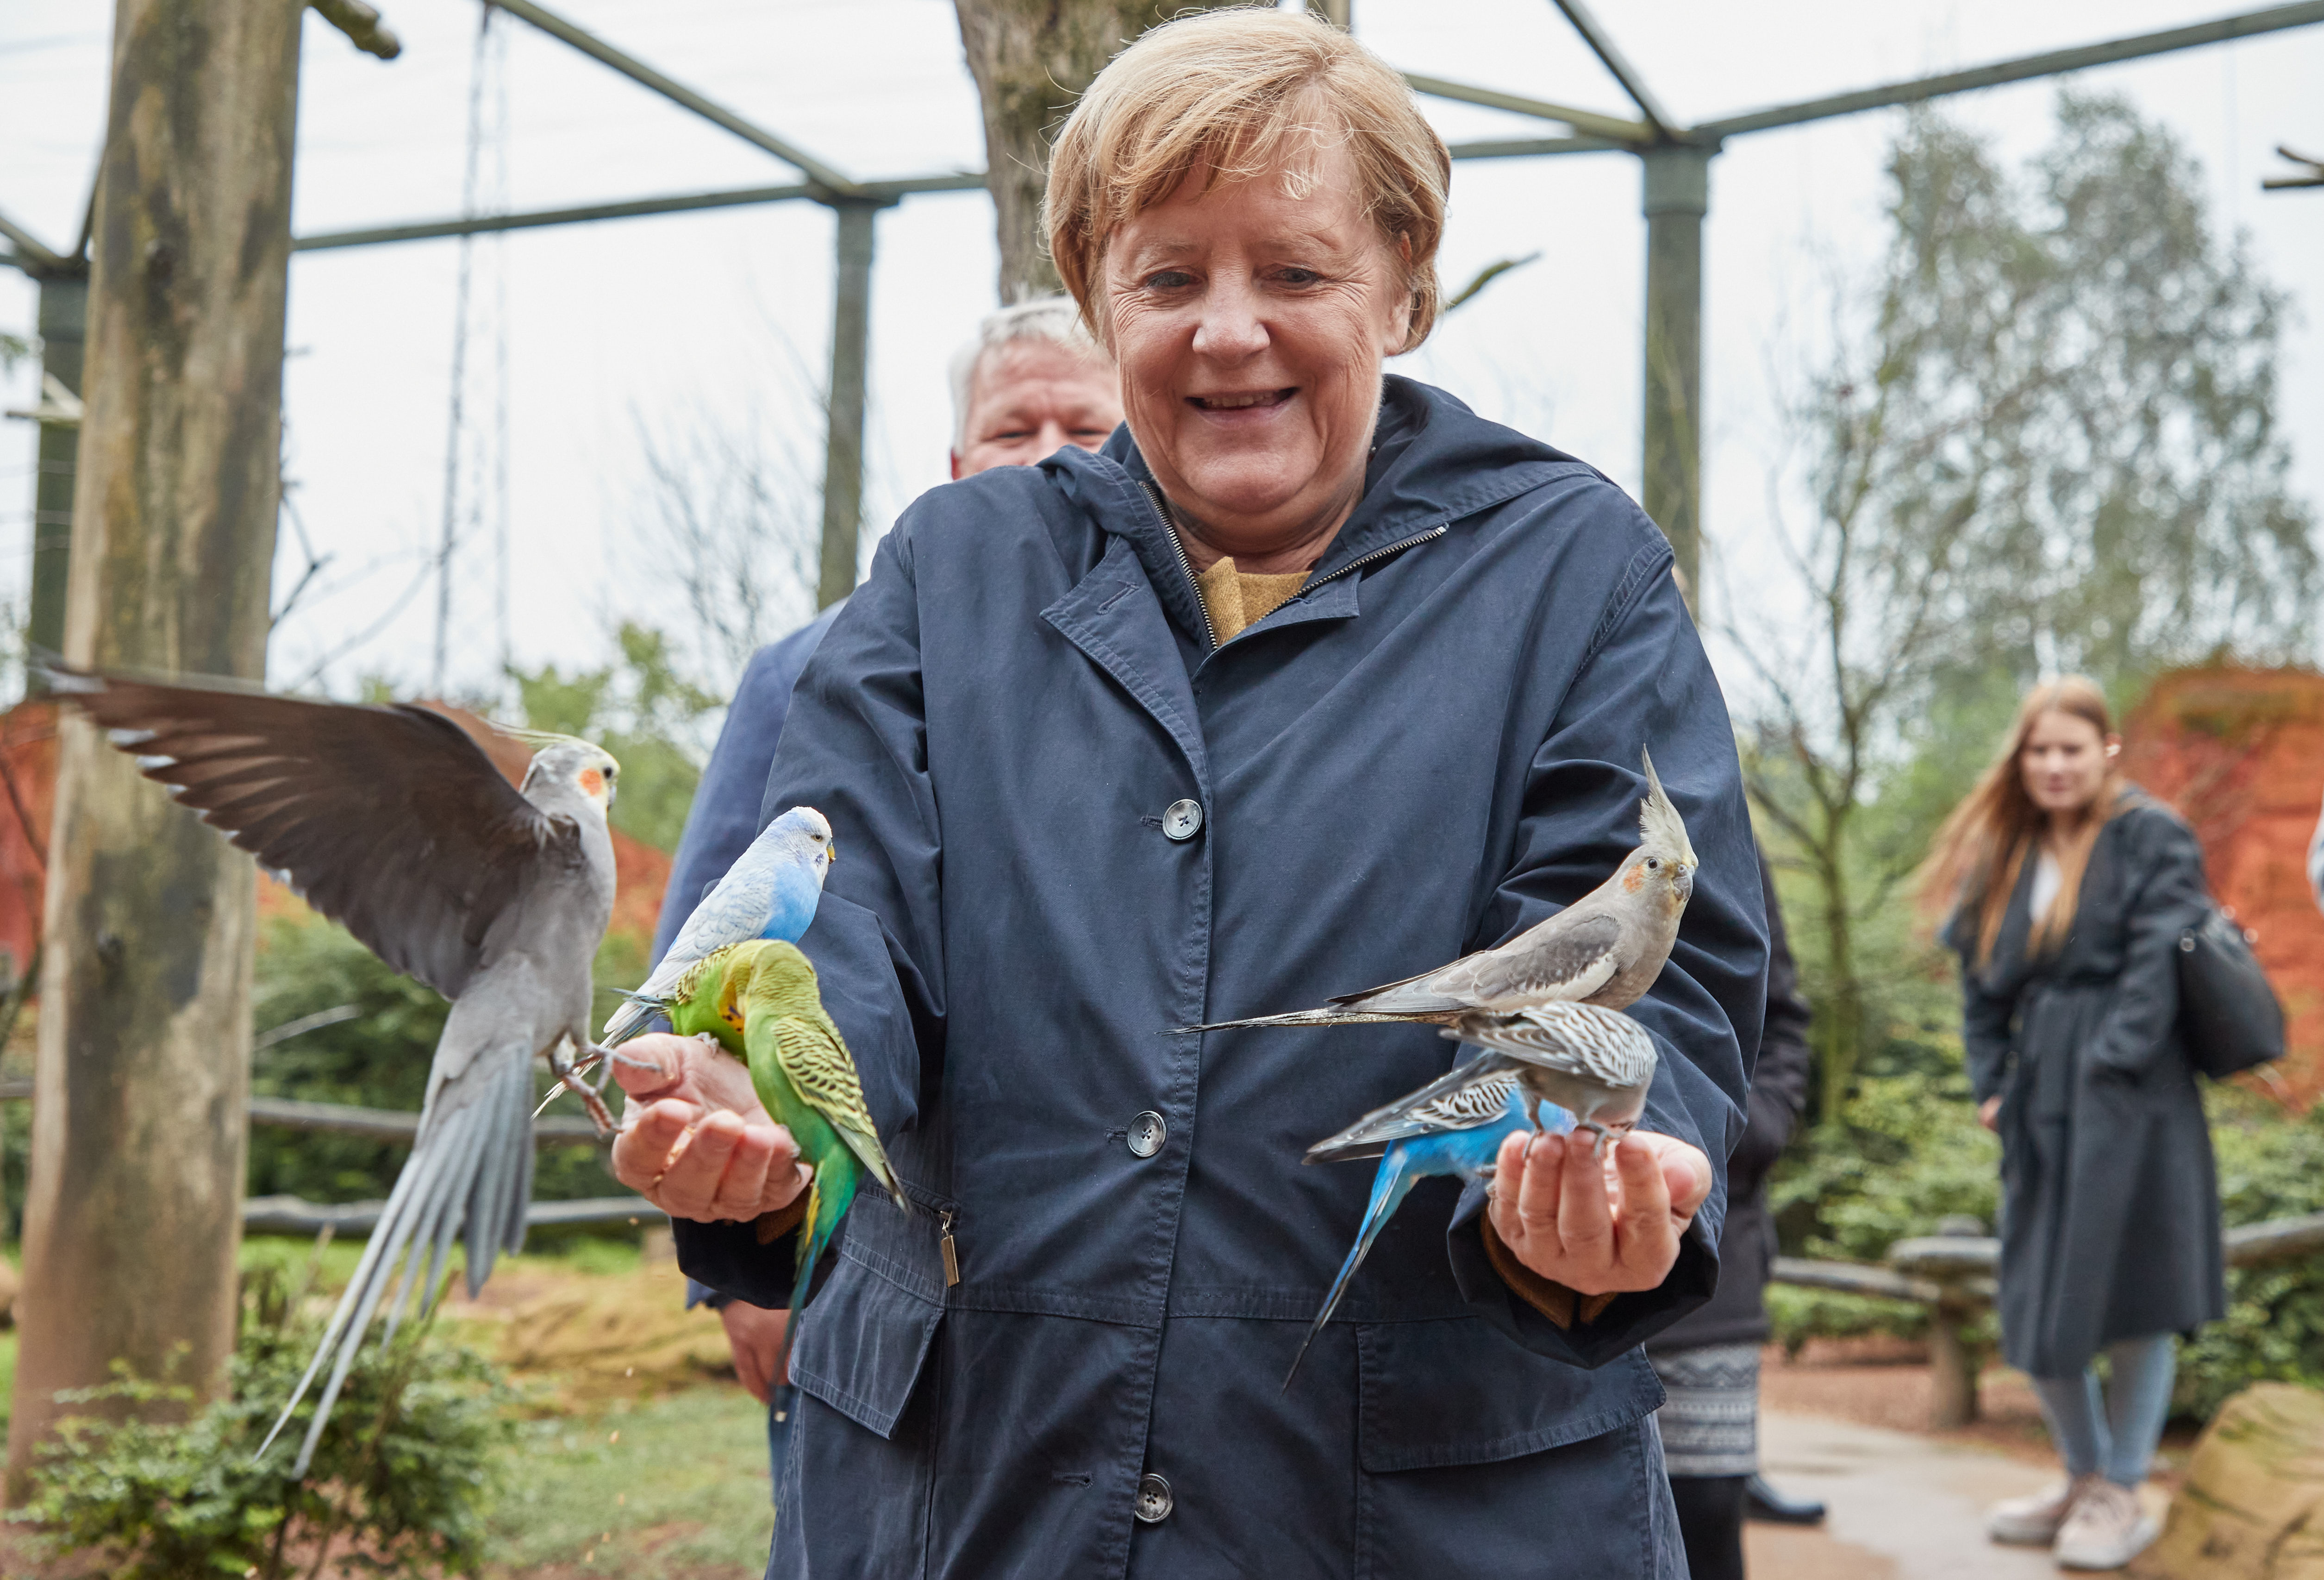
(719, 321)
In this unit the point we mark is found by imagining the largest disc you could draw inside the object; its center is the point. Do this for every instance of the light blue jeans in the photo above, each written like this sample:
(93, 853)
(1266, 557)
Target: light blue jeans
(2115, 1435)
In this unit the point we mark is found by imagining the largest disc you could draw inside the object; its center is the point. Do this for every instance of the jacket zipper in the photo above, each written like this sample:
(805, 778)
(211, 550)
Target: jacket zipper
(1210, 631)
(1362, 560)
(1154, 497)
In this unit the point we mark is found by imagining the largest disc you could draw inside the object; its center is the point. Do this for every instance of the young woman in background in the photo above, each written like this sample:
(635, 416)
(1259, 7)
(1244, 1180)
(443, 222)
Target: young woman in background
(2067, 889)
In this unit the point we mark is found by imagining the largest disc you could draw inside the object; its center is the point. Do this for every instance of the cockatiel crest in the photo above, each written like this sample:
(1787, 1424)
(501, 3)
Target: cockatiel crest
(1663, 863)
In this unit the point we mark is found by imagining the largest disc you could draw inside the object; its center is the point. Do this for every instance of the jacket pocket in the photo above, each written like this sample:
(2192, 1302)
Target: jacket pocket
(1456, 1391)
(862, 1343)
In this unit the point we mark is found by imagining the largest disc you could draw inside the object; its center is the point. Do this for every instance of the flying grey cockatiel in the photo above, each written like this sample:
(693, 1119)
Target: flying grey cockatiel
(1605, 949)
(1596, 1064)
(392, 822)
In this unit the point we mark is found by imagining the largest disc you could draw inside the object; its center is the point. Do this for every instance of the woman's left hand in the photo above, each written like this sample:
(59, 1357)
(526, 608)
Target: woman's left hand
(1598, 1226)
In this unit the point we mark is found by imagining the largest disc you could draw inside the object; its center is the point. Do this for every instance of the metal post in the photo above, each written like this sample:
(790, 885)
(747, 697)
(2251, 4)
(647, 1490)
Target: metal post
(63, 324)
(843, 454)
(1677, 197)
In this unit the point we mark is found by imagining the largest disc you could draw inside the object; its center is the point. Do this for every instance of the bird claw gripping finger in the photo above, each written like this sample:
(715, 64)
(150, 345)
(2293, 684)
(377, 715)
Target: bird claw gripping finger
(568, 1078)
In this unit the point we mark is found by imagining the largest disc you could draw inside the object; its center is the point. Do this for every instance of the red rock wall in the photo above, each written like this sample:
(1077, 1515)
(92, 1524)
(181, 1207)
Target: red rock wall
(2240, 753)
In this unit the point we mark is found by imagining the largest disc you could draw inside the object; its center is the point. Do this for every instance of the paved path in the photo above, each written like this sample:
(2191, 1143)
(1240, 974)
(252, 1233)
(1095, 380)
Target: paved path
(1903, 1507)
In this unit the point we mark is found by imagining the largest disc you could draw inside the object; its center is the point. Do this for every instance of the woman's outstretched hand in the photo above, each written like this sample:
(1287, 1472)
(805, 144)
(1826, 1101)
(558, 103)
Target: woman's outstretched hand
(1597, 1224)
(695, 1139)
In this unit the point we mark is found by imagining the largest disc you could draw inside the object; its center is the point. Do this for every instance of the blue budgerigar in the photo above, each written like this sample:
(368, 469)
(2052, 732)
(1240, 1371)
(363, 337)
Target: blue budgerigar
(770, 891)
(1452, 1126)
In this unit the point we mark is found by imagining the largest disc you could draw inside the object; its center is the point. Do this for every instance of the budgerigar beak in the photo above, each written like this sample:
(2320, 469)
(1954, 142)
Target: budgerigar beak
(831, 850)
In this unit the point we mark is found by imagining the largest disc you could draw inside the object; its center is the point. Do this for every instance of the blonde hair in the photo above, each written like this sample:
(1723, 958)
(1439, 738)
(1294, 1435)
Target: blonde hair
(1229, 91)
(1977, 856)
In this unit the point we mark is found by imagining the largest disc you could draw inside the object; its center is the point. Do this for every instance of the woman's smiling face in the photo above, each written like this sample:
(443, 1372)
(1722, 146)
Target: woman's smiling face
(1250, 325)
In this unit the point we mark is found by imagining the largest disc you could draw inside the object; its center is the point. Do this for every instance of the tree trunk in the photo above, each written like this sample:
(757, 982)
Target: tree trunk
(133, 1216)
(1031, 59)
(1841, 1029)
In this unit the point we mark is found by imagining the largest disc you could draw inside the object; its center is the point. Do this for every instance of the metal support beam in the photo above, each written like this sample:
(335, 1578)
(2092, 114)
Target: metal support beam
(32, 256)
(1601, 44)
(1677, 197)
(2314, 177)
(638, 72)
(1585, 121)
(2221, 30)
(843, 454)
(63, 328)
(880, 192)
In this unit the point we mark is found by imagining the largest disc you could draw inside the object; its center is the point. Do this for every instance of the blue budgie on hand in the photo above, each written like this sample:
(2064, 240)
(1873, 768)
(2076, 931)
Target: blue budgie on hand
(1452, 1126)
(770, 891)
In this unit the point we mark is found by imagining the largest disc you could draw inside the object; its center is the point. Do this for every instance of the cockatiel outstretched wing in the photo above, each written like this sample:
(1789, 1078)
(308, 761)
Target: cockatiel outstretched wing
(387, 819)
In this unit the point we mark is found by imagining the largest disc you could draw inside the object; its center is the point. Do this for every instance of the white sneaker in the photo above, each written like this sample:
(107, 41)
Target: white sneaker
(2036, 1520)
(2105, 1530)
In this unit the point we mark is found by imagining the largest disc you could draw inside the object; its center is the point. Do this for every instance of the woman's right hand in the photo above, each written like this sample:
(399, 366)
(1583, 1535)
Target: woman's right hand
(1988, 1114)
(695, 1139)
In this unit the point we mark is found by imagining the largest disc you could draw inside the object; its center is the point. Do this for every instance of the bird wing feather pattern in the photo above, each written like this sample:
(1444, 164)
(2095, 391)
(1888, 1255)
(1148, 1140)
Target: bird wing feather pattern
(818, 1065)
(445, 843)
(1580, 1040)
(1461, 1099)
(1574, 959)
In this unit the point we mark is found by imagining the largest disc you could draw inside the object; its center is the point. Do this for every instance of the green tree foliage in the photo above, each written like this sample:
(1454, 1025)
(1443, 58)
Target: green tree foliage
(2042, 440)
(400, 1483)
(378, 1059)
(643, 711)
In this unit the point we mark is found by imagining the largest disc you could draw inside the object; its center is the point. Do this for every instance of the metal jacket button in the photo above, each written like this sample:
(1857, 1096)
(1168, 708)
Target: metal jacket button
(1154, 1500)
(1146, 1134)
(1183, 821)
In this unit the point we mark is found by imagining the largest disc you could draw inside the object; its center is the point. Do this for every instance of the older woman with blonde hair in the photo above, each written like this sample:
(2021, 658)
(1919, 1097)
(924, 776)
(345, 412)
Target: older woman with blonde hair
(1309, 678)
(2068, 890)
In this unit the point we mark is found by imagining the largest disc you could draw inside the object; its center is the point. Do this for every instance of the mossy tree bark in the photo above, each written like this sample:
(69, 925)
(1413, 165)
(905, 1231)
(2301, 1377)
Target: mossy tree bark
(1031, 60)
(133, 1216)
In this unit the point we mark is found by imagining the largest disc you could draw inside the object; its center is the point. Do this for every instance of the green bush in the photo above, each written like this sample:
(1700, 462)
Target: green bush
(378, 1059)
(2271, 1166)
(1907, 1152)
(1796, 1315)
(400, 1480)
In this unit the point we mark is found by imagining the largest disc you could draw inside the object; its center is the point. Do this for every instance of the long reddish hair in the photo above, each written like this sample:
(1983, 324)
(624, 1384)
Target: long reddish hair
(1978, 853)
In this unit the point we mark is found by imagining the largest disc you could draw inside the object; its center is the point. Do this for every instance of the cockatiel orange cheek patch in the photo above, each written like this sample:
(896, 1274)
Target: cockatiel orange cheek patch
(593, 783)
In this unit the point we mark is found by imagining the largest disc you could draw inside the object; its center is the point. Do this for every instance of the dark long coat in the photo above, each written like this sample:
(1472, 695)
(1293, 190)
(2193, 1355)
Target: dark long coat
(1737, 1313)
(2109, 1199)
(1435, 745)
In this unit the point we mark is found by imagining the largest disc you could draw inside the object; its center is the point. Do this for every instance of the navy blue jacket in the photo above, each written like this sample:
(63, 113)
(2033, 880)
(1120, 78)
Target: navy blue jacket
(1434, 745)
(724, 817)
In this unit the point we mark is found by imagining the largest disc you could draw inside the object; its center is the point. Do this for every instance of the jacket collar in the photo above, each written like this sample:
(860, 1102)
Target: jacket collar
(1432, 462)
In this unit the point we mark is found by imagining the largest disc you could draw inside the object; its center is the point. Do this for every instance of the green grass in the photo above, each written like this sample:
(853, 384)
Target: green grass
(682, 1491)
(591, 1256)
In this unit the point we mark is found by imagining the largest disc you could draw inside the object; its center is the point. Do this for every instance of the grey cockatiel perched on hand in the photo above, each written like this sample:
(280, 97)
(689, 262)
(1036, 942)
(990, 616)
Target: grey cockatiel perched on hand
(1605, 949)
(392, 822)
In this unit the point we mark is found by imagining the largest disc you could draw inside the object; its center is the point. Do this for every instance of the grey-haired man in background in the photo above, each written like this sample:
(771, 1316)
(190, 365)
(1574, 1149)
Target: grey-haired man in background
(1031, 381)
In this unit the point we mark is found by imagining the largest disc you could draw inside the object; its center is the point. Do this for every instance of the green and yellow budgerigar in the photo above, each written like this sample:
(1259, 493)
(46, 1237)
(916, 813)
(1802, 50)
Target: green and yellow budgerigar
(759, 1000)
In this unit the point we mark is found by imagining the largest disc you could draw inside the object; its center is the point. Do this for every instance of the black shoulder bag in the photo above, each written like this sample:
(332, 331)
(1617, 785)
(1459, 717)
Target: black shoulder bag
(2227, 1013)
